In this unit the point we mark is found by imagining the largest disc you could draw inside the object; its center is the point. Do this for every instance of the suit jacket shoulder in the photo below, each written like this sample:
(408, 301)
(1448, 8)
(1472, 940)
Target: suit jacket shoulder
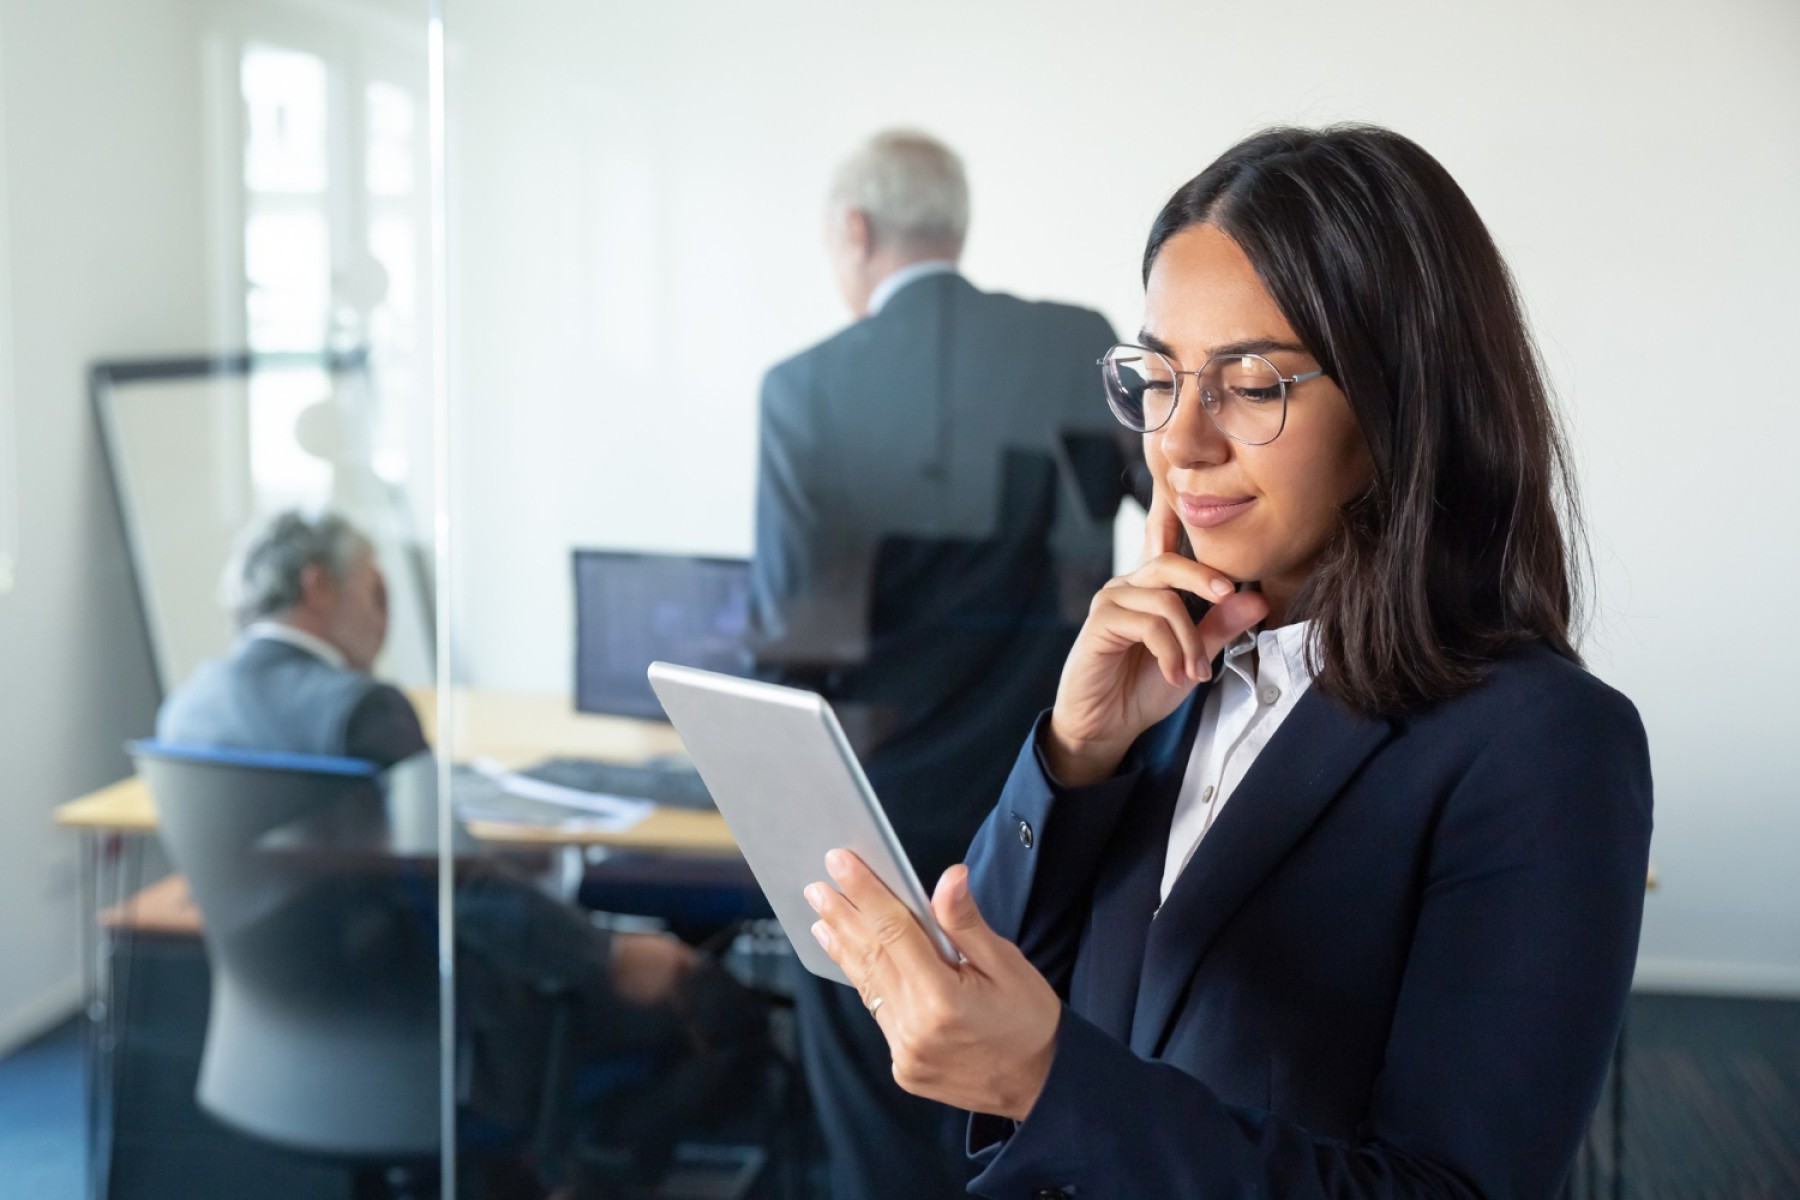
(1040, 322)
(267, 695)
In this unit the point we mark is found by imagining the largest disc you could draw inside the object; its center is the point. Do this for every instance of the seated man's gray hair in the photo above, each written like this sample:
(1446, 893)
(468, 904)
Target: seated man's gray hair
(264, 578)
(911, 188)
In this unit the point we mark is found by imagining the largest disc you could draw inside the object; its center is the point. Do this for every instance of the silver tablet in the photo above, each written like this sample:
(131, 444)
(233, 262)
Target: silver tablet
(790, 789)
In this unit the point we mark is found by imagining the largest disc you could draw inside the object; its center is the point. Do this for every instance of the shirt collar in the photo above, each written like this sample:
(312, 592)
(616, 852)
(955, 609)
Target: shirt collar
(318, 647)
(1279, 652)
(895, 280)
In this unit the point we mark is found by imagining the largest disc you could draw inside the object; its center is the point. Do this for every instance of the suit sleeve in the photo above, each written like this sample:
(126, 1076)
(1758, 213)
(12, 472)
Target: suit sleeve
(383, 728)
(1033, 860)
(1512, 996)
(807, 577)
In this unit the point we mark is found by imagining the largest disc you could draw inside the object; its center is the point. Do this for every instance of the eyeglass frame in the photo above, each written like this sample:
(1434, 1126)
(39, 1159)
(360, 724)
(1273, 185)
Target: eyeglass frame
(1286, 381)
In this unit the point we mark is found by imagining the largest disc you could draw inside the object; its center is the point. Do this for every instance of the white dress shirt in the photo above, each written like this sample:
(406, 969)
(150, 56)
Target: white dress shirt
(893, 281)
(1263, 677)
(318, 647)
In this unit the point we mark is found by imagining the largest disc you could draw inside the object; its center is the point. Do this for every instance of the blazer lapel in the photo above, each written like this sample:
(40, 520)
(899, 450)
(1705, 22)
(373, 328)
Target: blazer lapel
(1315, 752)
(1126, 891)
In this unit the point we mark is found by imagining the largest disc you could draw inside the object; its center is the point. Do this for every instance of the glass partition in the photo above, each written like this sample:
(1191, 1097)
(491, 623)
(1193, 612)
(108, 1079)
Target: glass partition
(228, 206)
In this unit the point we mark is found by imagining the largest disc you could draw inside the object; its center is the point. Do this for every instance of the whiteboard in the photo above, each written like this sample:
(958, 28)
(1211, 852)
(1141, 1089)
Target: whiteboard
(204, 449)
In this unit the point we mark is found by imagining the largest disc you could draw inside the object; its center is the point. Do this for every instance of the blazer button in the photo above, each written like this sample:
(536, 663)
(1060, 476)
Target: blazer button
(1025, 834)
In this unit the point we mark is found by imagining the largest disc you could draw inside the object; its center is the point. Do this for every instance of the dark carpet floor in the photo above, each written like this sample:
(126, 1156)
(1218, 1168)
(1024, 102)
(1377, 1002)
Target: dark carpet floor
(1712, 1099)
(1712, 1105)
(42, 1121)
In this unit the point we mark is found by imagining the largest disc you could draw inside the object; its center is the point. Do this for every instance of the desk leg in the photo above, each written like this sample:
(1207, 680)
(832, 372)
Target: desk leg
(91, 1008)
(111, 870)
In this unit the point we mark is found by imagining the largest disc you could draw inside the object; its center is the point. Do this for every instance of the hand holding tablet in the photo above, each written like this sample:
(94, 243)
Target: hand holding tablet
(790, 789)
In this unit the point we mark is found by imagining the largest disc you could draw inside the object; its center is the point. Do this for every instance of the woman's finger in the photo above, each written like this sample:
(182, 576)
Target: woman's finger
(1163, 603)
(1162, 529)
(1176, 571)
(1228, 618)
(1125, 627)
(892, 935)
(960, 918)
(845, 935)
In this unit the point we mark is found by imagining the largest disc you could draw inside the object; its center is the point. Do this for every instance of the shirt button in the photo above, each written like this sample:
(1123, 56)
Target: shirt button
(1025, 834)
(1271, 694)
(1207, 795)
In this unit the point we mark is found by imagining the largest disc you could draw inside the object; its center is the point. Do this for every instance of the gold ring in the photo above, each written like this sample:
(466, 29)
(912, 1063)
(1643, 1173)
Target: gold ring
(875, 1007)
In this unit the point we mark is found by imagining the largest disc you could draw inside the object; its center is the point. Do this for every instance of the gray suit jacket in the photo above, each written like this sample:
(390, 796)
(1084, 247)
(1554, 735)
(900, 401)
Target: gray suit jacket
(934, 506)
(269, 695)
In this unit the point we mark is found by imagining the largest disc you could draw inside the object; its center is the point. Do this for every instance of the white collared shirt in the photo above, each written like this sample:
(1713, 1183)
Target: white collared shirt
(1260, 682)
(316, 646)
(895, 280)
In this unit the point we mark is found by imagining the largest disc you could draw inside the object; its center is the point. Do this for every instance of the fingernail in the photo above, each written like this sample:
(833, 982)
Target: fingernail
(813, 897)
(1205, 672)
(822, 935)
(837, 862)
(1222, 587)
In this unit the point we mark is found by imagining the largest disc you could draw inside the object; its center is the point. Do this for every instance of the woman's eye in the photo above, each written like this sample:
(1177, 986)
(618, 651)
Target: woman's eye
(1156, 385)
(1256, 395)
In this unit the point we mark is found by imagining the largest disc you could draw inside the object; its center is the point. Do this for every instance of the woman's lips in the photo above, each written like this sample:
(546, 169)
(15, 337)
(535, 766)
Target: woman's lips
(1205, 512)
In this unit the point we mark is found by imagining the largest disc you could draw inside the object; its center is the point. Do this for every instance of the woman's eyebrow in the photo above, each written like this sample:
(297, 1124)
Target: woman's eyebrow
(1246, 346)
(1258, 346)
(1151, 342)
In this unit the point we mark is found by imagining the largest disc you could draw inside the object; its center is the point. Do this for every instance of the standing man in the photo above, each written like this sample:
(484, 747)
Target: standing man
(934, 507)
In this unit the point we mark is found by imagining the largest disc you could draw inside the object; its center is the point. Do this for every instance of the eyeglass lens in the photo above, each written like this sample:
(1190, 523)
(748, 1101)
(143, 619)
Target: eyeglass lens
(1242, 393)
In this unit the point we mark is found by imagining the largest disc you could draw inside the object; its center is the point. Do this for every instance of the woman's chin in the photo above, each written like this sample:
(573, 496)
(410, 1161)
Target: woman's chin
(1225, 553)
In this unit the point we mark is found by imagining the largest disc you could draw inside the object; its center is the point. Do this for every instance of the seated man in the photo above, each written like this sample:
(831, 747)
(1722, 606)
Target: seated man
(312, 605)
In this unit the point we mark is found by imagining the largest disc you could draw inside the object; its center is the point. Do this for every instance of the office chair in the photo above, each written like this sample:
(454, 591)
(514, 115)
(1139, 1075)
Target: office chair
(323, 1032)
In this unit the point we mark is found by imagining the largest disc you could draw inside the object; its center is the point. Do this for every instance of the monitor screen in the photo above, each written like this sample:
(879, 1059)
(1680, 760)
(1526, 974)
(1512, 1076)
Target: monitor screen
(633, 609)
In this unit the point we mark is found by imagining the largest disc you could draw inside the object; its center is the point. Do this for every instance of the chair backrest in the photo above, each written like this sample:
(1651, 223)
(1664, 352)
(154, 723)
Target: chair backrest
(323, 1032)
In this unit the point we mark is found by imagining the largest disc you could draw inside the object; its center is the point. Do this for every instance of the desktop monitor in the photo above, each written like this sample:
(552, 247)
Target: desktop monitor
(633, 609)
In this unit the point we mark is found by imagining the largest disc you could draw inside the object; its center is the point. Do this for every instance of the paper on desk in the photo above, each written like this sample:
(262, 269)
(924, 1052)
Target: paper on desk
(526, 814)
(586, 810)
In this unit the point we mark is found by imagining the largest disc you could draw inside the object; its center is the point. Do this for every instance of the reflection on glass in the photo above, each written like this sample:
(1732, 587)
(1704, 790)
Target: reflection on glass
(284, 102)
(392, 147)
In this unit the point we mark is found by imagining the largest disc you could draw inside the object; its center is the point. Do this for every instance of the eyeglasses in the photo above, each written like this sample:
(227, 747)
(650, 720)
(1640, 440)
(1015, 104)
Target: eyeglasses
(1244, 394)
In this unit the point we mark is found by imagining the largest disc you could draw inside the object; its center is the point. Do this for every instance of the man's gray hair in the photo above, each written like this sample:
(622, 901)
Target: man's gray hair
(264, 578)
(912, 189)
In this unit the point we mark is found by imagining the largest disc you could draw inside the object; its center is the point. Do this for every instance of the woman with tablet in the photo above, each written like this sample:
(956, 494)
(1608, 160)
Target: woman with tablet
(1332, 889)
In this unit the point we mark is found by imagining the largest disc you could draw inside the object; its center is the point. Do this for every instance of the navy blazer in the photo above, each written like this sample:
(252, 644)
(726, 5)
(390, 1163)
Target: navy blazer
(1395, 966)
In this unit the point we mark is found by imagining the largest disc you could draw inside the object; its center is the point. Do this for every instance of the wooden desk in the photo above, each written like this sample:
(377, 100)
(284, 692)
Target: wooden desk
(514, 729)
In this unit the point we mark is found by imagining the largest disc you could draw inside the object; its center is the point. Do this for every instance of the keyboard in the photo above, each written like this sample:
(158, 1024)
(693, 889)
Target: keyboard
(674, 786)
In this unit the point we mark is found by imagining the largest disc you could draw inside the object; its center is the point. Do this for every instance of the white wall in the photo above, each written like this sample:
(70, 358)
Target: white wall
(102, 138)
(635, 213)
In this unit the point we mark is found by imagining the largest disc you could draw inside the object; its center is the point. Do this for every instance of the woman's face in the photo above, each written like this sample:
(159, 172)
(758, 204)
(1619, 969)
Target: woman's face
(1262, 513)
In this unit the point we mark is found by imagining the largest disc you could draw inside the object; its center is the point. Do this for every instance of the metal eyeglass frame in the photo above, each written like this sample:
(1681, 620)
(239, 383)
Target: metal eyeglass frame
(1286, 381)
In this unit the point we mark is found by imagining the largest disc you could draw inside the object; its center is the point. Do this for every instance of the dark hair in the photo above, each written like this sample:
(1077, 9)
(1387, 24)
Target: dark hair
(1382, 266)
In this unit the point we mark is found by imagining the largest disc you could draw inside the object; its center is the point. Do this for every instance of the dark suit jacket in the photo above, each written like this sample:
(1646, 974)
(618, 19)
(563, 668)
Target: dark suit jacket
(270, 695)
(934, 506)
(1395, 966)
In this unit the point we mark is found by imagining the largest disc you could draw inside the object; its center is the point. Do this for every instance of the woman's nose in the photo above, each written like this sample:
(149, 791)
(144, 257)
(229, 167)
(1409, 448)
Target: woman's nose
(1190, 439)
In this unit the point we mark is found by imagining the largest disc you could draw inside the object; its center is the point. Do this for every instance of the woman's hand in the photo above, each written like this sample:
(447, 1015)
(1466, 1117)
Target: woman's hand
(1139, 655)
(977, 1035)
